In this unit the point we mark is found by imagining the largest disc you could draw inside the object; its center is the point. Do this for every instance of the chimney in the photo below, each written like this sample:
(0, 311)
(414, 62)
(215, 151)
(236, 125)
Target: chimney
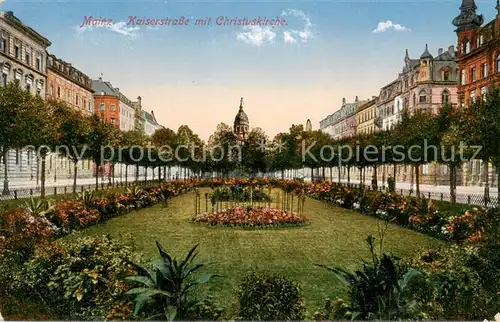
(117, 89)
(451, 49)
(10, 13)
(343, 101)
(356, 99)
(374, 97)
(440, 51)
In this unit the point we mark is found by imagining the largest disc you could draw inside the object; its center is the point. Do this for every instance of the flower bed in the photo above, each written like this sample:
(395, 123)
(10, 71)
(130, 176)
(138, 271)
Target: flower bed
(22, 228)
(258, 217)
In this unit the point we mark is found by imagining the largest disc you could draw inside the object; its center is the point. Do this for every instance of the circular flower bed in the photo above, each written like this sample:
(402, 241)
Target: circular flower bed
(253, 217)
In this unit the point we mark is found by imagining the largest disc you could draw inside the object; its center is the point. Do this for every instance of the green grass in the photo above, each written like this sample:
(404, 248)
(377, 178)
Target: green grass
(335, 236)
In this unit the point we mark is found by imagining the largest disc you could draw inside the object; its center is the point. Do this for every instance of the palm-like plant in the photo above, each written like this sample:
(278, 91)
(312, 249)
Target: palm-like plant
(136, 192)
(169, 284)
(38, 207)
(380, 290)
(86, 197)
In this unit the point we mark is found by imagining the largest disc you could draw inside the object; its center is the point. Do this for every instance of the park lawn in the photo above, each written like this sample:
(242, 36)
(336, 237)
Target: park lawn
(335, 236)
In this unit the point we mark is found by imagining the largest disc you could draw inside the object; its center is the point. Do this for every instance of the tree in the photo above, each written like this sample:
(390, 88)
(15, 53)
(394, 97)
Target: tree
(131, 150)
(166, 139)
(100, 137)
(255, 152)
(73, 133)
(222, 145)
(18, 109)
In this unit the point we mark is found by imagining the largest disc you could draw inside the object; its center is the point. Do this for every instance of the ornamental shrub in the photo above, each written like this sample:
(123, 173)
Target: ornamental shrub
(267, 296)
(82, 280)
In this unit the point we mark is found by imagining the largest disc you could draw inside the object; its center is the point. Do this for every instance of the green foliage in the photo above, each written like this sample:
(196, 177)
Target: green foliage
(39, 207)
(240, 194)
(382, 289)
(77, 280)
(87, 197)
(166, 291)
(266, 296)
(333, 310)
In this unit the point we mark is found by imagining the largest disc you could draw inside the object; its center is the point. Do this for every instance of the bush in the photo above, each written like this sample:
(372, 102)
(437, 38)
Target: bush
(264, 296)
(83, 279)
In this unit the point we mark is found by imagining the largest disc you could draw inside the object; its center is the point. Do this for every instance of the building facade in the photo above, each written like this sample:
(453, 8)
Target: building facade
(23, 55)
(68, 84)
(112, 106)
(150, 123)
(478, 62)
(139, 118)
(342, 123)
(365, 117)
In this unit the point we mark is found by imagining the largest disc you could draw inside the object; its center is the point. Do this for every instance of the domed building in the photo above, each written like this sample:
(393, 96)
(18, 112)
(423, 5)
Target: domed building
(241, 125)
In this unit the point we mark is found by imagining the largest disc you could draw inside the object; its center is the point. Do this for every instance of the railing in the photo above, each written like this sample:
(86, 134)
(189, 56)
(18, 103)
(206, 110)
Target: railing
(461, 198)
(15, 194)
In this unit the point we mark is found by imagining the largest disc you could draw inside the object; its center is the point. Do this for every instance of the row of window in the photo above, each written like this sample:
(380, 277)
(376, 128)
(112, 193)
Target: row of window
(69, 99)
(472, 94)
(484, 72)
(467, 44)
(102, 107)
(27, 84)
(31, 58)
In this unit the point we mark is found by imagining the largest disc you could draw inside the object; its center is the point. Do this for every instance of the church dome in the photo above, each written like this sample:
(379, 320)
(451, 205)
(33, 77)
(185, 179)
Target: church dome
(241, 118)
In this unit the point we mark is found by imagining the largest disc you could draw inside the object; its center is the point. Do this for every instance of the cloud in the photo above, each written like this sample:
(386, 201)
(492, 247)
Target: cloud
(257, 35)
(290, 36)
(387, 25)
(262, 35)
(120, 27)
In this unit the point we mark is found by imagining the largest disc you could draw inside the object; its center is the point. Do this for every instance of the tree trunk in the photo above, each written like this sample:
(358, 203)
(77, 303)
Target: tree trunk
(6, 174)
(283, 174)
(312, 174)
(136, 173)
(486, 184)
(498, 186)
(96, 175)
(453, 177)
(417, 179)
(374, 178)
(159, 174)
(126, 174)
(348, 175)
(323, 173)
(75, 170)
(42, 175)
(164, 173)
(339, 173)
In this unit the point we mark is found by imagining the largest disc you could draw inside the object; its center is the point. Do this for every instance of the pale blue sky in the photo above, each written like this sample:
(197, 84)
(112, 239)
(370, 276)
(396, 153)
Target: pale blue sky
(202, 71)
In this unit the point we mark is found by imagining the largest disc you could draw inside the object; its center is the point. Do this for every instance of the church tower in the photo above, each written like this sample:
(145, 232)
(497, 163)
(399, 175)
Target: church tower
(425, 69)
(241, 124)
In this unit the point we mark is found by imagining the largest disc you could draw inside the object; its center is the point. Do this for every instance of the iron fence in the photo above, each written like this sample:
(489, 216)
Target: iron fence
(15, 194)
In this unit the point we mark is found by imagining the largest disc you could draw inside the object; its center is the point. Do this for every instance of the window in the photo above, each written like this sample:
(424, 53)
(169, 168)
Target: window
(17, 51)
(38, 92)
(28, 55)
(113, 107)
(473, 74)
(472, 96)
(483, 93)
(28, 87)
(422, 97)
(466, 47)
(445, 97)
(463, 79)
(76, 100)
(39, 62)
(446, 75)
(84, 103)
(101, 106)
(498, 63)
(414, 99)
(481, 40)
(17, 156)
(484, 70)
(58, 92)
(3, 43)
(113, 121)
(4, 79)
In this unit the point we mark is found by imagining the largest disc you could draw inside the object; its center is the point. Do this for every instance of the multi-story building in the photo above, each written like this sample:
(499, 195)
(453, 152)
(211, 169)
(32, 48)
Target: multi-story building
(478, 62)
(139, 118)
(68, 84)
(23, 58)
(150, 123)
(365, 117)
(113, 106)
(341, 123)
